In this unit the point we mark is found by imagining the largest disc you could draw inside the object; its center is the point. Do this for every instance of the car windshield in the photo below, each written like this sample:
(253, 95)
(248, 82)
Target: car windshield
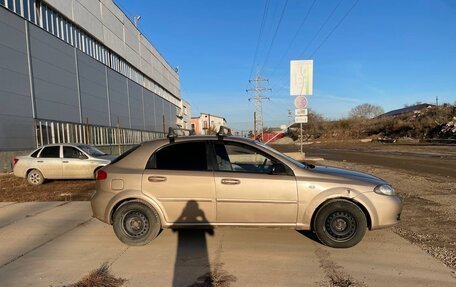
(300, 164)
(90, 150)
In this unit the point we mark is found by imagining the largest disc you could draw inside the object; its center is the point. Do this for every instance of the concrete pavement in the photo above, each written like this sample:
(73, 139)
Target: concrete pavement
(56, 243)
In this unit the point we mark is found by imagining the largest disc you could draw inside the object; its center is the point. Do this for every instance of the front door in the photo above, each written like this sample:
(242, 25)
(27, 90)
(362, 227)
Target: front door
(253, 187)
(179, 178)
(76, 164)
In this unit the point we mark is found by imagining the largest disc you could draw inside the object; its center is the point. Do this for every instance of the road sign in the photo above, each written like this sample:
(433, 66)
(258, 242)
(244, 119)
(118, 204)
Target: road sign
(301, 119)
(301, 77)
(301, 112)
(300, 102)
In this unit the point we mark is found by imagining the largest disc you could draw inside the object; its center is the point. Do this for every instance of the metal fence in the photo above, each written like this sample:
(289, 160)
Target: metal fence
(51, 132)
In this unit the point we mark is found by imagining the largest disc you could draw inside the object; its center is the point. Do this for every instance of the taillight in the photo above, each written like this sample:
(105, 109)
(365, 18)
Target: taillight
(15, 160)
(102, 175)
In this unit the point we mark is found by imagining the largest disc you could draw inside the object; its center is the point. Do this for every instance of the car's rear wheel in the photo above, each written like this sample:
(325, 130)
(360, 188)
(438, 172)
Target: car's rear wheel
(340, 224)
(35, 177)
(136, 224)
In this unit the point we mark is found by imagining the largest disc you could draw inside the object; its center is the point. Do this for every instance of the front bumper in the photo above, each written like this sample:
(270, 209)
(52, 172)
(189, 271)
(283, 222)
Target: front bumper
(389, 209)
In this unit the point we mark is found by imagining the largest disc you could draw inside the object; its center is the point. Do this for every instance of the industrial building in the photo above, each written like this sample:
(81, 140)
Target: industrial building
(80, 71)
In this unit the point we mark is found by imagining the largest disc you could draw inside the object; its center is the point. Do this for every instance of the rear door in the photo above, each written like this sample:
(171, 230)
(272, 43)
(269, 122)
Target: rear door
(50, 163)
(253, 187)
(181, 179)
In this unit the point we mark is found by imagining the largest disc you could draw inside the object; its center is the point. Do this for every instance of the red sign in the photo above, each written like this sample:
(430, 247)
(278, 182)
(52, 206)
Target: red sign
(300, 102)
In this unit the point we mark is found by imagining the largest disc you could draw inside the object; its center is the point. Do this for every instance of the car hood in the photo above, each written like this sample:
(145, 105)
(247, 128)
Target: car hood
(346, 174)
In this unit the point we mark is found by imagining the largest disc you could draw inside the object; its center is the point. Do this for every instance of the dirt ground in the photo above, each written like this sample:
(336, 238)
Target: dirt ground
(17, 189)
(429, 214)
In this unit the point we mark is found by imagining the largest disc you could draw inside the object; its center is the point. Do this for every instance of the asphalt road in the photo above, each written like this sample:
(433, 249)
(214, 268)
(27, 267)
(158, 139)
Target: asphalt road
(425, 161)
(56, 243)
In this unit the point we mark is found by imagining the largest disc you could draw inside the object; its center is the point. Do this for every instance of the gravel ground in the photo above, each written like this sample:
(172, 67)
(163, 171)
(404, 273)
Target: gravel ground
(429, 215)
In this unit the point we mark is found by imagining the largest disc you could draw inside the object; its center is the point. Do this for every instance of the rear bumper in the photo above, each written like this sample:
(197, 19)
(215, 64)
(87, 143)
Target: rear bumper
(100, 202)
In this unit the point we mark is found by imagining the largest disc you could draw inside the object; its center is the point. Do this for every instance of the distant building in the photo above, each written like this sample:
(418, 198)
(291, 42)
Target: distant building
(207, 123)
(186, 115)
(406, 110)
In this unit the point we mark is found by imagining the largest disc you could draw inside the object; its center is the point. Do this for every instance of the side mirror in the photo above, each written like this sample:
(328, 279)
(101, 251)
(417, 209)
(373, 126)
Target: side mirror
(82, 156)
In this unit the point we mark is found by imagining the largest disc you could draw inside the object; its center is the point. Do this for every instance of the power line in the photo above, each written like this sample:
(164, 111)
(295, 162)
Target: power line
(265, 13)
(326, 21)
(330, 33)
(274, 36)
(322, 26)
(334, 29)
(295, 36)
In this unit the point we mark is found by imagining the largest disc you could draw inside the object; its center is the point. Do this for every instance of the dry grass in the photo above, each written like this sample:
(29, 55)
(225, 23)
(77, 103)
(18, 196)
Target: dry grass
(100, 277)
(17, 189)
(428, 123)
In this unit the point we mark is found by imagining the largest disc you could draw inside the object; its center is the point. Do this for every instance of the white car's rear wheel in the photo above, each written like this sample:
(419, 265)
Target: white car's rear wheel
(35, 177)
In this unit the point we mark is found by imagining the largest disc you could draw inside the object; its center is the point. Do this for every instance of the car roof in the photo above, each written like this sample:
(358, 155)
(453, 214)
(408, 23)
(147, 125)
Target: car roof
(66, 144)
(163, 141)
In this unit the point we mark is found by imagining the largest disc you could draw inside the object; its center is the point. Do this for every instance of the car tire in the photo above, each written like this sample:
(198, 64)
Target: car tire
(340, 224)
(136, 223)
(35, 177)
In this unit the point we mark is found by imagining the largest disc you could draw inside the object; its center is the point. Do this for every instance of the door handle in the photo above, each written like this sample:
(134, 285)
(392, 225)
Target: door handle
(230, 181)
(156, 178)
(65, 161)
(40, 161)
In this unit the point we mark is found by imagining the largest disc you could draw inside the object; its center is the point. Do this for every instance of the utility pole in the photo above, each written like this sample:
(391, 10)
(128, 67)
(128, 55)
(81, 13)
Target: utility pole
(258, 102)
(289, 117)
(437, 100)
(254, 126)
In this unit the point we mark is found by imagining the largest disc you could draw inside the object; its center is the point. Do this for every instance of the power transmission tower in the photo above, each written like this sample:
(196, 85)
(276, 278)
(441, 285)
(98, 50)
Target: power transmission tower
(258, 101)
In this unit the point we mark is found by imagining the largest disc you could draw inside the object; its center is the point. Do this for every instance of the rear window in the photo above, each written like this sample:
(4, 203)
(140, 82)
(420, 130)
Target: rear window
(181, 156)
(120, 157)
(35, 153)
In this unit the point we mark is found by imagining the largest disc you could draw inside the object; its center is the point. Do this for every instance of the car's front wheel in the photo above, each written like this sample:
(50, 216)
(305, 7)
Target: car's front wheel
(340, 224)
(136, 224)
(35, 177)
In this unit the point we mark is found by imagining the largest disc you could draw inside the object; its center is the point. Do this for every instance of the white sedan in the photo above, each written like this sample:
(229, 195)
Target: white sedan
(60, 161)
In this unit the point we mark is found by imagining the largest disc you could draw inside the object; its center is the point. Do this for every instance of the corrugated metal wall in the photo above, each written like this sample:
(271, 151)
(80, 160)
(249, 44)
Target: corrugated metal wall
(67, 85)
(16, 124)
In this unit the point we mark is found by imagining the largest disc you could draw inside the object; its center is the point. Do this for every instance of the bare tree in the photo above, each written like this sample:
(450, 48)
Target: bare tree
(366, 110)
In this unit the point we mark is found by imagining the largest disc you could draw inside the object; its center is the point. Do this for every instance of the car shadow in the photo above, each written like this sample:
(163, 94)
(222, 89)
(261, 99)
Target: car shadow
(192, 266)
(311, 235)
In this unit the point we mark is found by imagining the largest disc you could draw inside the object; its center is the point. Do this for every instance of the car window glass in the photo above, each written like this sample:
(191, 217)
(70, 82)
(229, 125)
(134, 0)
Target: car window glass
(51, 152)
(35, 153)
(93, 151)
(71, 152)
(182, 156)
(242, 158)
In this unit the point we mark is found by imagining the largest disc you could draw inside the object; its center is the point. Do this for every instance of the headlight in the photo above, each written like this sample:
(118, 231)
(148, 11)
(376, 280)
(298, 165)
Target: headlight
(385, 189)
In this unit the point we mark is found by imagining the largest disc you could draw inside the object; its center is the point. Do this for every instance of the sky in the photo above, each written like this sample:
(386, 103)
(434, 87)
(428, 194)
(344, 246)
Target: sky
(384, 52)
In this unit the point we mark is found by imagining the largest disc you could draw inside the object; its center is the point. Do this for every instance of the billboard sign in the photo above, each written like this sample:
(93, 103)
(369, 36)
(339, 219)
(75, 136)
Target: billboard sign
(301, 77)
